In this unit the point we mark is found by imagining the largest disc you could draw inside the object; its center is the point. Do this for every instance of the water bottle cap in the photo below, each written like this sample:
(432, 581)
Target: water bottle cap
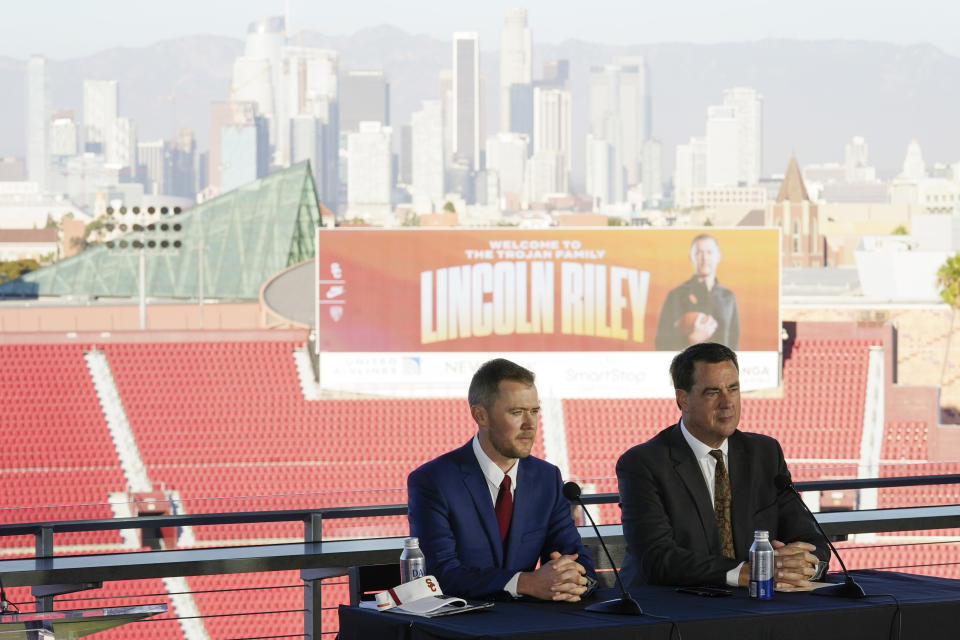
(760, 534)
(411, 543)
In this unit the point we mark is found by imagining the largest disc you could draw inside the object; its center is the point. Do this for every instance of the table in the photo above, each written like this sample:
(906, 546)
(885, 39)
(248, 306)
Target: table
(930, 608)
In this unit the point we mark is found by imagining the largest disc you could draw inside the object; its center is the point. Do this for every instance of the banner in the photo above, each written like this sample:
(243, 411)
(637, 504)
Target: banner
(553, 290)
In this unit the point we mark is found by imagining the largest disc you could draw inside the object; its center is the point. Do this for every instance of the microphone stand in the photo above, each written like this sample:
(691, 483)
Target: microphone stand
(849, 587)
(625, 605)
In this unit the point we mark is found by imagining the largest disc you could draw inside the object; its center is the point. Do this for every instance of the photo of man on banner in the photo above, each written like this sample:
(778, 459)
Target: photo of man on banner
(700, 309)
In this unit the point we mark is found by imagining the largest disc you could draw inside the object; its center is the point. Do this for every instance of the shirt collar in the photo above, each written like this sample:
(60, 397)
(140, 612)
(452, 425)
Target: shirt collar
(700, 450)
(490, 470)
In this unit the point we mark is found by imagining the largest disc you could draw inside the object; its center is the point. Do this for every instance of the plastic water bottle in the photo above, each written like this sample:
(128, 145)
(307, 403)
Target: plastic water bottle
(761, 566)
(412, 563)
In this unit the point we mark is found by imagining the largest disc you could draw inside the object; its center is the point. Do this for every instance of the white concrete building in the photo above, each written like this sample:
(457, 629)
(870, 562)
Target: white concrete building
(100, 105)
(427, 157)
(125, 142)
(370, 166)
(601, 165)
(748, 106)
(690, 171)
(722, 144)
(38, 116)
(652, 173)
(64, 135)
(507, 158)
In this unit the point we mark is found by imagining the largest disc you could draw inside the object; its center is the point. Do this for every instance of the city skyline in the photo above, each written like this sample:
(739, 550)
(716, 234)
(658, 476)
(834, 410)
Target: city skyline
(87, 28)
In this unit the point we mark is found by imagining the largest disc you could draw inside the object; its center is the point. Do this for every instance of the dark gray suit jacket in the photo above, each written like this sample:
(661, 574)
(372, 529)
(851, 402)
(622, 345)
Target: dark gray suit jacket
(668, 518)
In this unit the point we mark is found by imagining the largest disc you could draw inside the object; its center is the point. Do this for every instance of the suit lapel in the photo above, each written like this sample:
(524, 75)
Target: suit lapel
(476, 485)
(690, 474)
(741, 506)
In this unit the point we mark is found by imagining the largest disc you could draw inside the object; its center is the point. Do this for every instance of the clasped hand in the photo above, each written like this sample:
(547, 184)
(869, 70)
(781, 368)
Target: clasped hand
(562, 579)
(793, 566)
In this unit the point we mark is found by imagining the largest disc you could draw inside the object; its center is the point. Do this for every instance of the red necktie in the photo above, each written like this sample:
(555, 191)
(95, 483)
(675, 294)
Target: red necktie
(504, 508)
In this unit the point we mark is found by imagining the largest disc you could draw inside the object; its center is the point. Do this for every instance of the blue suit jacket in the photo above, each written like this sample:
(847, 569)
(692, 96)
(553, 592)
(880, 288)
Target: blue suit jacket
(450, 510)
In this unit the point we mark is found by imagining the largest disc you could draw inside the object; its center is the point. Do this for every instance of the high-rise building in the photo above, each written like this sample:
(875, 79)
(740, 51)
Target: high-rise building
(619, 105)
(370, 166)
(364, 97)
(652, 173)
(405, 161)
(507, 157)
(635, 114)
(723, 146)
(547, 175)
(182, 174)
(125, 142)
(64, 134)
(606, 124)
(306, 143)
(601, 166)
(257, 73)
(690, 171)
(466, 98)
(100, 105)
(914, 168)
(856, 161)
(427, 158)
(153, 156)
(552, 122)
(748, 107)
(516, 67)
(253, 159)
(244, 147)
(38, 119)
(312, 88)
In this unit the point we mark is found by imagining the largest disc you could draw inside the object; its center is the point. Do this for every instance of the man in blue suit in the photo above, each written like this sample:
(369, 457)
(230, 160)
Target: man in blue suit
(487, 512)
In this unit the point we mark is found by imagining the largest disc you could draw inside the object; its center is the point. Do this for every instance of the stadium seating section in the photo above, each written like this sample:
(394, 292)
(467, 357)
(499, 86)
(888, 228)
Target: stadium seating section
(223, 425)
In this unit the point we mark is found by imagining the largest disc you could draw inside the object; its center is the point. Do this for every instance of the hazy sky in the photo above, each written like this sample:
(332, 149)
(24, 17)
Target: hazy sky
(70, 28)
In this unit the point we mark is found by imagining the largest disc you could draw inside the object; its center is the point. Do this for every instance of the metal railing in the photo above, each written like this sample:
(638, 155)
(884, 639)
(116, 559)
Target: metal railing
(318, 559)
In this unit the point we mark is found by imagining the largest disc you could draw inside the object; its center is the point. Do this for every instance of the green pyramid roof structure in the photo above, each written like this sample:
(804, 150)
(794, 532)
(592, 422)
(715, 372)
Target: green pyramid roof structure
(243, 237)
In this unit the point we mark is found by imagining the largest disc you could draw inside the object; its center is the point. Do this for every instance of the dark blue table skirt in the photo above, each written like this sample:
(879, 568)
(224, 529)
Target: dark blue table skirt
(930, 608)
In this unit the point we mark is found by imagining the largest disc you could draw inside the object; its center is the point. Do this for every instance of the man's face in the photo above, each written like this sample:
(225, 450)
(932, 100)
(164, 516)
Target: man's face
(507, 430)
(711, 409)
(705, 255)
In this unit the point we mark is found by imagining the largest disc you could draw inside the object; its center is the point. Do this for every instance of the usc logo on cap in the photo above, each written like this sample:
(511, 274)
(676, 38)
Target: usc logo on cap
(430, 584)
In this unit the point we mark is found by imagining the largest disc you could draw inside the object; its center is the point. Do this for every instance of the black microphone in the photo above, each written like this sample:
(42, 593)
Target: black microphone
(625, 604)
(849, 587)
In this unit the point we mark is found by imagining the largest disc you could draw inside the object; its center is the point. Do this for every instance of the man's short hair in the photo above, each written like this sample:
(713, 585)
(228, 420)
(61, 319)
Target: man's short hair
(703, 236)
(681, 369)
(486, 381)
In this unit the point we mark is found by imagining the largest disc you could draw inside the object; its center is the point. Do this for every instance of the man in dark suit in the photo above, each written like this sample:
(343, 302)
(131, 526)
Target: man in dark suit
(699, 309)
(487, 512)
(687, 520)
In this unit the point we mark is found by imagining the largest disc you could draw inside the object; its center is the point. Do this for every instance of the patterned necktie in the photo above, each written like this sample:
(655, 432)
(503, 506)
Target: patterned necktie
(721, 505)
(504, 508)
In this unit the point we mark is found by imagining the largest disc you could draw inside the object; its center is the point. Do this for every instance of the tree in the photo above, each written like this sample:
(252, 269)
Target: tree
(410, 219)
(708, 222)
(13, 269)
(448, 207)
(948, 281)
(900, 230)
(614, 221)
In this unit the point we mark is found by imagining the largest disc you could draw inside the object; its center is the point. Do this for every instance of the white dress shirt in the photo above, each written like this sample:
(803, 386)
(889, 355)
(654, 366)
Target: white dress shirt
(708, 467)
(494, 476)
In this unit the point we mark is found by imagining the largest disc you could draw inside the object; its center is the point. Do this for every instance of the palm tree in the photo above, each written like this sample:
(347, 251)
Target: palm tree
(948, 281)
